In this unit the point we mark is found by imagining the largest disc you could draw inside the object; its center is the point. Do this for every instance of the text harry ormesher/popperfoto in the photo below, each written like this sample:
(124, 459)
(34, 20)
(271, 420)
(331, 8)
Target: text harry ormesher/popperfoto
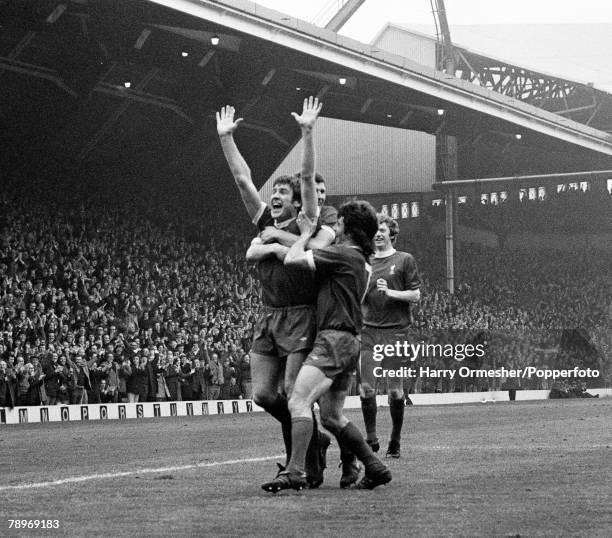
(464, 371)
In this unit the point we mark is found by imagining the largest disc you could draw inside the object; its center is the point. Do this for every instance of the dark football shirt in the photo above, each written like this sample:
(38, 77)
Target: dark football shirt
(342, 275)
(401, 273)
(288, 286)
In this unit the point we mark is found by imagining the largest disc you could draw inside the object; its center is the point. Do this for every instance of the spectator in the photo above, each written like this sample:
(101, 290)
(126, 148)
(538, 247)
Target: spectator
(8, 382)
(173, 379)
(54, 379)
(186, 378)
(199, 385)
(138, 381)
(244, 373)
(124, 374)
(29, 385)
(215, 372)
(231, 391)
(82, 381)
(106, 393)
(162, 392)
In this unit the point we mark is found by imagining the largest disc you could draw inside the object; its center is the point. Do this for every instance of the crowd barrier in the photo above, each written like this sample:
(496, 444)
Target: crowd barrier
(123, 411)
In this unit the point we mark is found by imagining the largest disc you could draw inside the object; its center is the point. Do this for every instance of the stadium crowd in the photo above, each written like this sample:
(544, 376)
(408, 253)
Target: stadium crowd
(101, 302)
(521, 301)
(105, 300)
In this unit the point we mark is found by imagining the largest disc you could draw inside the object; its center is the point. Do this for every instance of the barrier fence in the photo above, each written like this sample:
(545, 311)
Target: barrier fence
(124, 411)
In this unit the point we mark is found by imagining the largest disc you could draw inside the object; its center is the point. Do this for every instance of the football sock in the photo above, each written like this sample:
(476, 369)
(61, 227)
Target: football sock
(397, 418)
(368, 408)
(301, 433)
(351, 440)
(280, 411)
(346, 456)
(312, 454)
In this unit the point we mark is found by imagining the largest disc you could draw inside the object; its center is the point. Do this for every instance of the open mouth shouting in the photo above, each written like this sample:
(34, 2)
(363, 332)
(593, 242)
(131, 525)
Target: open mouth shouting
(277, 207)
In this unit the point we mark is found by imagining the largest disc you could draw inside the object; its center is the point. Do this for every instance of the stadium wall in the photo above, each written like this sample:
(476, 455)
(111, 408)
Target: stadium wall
(418, 47)
(123, 411)
(357, 158)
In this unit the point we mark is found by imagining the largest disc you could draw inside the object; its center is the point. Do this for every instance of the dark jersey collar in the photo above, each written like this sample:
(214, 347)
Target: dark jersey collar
(283, 224)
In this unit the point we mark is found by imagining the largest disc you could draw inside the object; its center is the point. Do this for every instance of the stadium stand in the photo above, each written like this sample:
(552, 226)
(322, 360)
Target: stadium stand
(103, 299)
(110, 303)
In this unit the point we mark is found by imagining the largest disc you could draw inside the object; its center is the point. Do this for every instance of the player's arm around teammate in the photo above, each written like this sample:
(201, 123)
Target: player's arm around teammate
(258, 250)
(328, 218)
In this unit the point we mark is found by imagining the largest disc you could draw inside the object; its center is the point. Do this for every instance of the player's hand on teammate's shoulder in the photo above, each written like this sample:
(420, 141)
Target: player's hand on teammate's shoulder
(307, 226)
(226, 124)
(310, 113)
(268, 234)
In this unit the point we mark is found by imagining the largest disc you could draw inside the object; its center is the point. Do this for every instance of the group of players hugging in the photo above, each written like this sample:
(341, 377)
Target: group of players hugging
(333, 286)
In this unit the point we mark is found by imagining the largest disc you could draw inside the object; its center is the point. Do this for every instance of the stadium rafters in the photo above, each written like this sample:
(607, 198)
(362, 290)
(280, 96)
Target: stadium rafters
(110, 86)
(577, 101)
(297, 35)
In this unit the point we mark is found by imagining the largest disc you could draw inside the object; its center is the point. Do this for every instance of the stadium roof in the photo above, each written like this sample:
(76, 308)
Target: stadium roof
(577, 51)
(578, 101)
(65, 67)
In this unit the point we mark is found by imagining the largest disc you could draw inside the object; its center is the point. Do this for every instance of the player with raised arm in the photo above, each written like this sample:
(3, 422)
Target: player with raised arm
(395, 284)
(342, 272)
(284, 332)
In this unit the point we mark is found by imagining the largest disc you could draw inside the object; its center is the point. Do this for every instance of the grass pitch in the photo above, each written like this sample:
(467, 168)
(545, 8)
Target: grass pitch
(502, 469)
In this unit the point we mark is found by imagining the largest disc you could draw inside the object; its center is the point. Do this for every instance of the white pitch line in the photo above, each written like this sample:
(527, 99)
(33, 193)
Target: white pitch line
(85, 478)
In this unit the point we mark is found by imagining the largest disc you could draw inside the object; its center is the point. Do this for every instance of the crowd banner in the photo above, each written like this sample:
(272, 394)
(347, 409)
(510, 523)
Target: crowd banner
(124, 411)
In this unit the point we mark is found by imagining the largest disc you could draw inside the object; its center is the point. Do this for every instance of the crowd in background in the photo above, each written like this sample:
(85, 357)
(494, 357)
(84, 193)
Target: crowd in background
(106, 300)
(571, 210)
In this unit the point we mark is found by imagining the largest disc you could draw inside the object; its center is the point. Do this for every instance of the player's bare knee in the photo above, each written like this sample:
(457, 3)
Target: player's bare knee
(298, 407)
(331, 423)
(263, 398)
(396, 394)
(367, 391)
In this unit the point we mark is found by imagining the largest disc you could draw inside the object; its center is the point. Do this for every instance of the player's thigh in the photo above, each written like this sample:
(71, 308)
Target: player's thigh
(292, 367)
(310, 384)
(265, 373)
(367, 364)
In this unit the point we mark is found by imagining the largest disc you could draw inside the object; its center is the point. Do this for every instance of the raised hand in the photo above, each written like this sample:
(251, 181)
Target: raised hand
(226, 124)
(310, 113)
